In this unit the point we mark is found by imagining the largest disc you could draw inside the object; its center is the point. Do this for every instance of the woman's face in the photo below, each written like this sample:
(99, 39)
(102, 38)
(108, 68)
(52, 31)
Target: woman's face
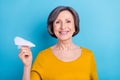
(64, 26)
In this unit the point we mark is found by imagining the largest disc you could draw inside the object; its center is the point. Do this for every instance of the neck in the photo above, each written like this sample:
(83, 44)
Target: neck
(65, 45)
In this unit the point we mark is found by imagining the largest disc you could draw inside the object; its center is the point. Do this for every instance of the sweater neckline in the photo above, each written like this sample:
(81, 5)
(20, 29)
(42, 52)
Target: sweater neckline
(61, 61)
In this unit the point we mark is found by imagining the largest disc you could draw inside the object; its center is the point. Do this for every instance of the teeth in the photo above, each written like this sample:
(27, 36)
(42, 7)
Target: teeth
(63, 32)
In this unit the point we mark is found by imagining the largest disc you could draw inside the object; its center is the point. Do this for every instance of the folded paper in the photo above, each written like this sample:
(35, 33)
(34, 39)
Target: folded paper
(22, 42)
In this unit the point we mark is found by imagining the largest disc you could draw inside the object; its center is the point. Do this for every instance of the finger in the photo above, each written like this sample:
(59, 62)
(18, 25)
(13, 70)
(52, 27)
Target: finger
(25, 47)
(23, 55)
(24, 52)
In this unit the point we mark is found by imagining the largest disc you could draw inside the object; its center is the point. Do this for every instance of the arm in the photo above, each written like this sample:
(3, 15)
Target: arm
(36, 70)
(94, 75)
(26, 73)
(26, 57)
(35, 76)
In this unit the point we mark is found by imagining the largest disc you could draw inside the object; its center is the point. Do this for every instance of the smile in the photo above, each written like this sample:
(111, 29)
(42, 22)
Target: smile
(63, 32)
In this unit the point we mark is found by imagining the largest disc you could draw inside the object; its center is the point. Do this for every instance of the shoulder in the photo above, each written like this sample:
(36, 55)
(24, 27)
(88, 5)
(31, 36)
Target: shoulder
(86, 51)
(88, 54)
(40, 60)
(44, 53)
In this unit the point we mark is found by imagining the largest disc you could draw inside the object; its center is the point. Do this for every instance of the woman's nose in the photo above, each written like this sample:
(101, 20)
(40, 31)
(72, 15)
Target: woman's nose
(63, 25)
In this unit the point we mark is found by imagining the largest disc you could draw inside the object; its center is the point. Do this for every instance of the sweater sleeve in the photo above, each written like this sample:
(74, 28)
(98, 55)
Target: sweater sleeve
(94, 75)
(36, 70)
(35, 76)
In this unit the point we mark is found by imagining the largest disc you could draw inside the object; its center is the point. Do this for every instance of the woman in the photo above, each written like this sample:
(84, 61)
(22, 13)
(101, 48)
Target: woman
(64, 60)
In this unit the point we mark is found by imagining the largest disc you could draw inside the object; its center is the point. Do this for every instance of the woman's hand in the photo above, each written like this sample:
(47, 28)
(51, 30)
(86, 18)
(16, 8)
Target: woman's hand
(26, 56)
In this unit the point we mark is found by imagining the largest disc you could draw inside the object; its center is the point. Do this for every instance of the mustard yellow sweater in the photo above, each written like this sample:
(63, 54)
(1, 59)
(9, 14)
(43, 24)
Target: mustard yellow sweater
(48, 67)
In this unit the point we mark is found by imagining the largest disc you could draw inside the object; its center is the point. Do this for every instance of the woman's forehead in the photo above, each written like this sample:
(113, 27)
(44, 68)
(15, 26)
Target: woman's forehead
(65, 14)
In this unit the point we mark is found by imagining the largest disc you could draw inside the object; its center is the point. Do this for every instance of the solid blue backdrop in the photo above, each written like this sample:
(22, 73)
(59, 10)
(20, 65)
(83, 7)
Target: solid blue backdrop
(99, 31)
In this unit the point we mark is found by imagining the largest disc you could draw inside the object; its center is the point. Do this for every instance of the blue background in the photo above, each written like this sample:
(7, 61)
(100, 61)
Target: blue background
(99, 24)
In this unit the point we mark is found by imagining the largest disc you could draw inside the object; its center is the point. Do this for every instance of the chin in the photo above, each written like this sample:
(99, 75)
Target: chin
(64, 38)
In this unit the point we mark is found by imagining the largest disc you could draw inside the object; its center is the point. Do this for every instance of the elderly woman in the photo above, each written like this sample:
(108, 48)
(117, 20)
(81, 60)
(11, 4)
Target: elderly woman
(64, 60)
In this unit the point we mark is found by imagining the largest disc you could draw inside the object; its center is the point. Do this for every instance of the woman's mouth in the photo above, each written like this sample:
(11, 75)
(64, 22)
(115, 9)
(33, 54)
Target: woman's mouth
(63, 32)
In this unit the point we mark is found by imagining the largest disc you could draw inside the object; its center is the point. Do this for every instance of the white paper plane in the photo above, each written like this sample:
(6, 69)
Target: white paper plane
(22, 42)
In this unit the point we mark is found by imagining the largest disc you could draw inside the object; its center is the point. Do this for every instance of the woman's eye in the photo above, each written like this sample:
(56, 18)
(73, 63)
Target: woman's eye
(57, 22)
(68, 21)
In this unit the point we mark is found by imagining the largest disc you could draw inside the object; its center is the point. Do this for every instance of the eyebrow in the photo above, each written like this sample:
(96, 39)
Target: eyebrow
(65, 19)
(68, 19)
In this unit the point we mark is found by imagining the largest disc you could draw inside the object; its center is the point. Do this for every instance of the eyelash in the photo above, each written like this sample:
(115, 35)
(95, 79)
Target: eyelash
(57, 22)
(68, 21)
